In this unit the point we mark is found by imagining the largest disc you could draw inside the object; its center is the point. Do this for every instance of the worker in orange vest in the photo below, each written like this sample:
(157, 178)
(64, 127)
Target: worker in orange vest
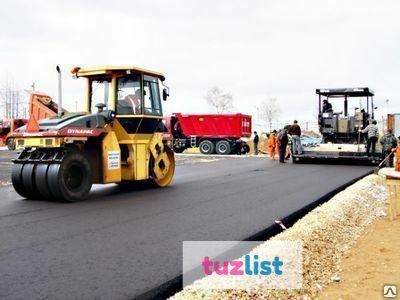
(272, 144)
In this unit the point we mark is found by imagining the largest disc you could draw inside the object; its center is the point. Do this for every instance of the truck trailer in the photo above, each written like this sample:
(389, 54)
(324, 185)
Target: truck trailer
(211, 133)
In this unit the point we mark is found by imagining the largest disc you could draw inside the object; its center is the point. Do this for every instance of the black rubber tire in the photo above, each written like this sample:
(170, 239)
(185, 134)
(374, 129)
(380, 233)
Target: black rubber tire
(223, 147)
(206, 147)
(71, 180)
(41, 181)
(179, 150)
(10, 144)
(28, 181)
(246, 149)
(16, 179)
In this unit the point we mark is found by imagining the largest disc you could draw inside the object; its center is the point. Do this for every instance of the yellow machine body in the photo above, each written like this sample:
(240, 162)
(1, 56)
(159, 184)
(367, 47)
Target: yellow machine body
(120, 134)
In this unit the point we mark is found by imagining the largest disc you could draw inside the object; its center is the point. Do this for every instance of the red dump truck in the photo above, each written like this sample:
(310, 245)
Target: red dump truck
(211, 133)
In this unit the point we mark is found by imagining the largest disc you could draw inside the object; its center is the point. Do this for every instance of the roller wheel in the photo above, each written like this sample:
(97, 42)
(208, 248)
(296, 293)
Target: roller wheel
(223, 147)
(206, 147)
(11, 144)
(166, 180)
(28, 181)
(41, 181)
(71, 180)
(16, 178)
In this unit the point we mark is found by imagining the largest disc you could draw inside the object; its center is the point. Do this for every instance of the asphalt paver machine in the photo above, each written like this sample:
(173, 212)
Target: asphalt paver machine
(340, 130)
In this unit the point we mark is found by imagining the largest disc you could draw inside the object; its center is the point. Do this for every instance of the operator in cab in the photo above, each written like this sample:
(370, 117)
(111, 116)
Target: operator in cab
(326, 106)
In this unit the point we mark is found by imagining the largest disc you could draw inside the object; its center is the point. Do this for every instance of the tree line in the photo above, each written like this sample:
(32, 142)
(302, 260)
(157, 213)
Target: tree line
(222, 102)
(12, 104)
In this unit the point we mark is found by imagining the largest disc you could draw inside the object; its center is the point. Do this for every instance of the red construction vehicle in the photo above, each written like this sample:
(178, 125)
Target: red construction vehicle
(393, 123)
(220, 133)
(7, 126)
(41, 106)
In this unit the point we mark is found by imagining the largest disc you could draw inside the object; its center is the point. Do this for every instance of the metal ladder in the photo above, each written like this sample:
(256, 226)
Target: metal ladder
(193, 141)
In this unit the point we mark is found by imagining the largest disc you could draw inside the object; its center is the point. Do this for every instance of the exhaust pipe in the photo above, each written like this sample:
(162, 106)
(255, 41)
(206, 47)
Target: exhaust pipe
(59, 111)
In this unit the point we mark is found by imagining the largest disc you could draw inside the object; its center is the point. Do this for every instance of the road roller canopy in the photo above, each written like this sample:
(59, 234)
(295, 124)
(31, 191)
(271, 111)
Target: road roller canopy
(346, 92)
(128, 90)
(93, 71)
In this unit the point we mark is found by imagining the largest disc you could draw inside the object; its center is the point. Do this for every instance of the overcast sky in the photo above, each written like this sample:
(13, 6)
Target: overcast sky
(252, 49)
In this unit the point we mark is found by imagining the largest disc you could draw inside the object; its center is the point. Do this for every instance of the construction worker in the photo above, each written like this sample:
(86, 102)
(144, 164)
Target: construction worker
(282, 141)
(255, 141)
(388, 142)
(326, 106)
(295, 132)
(133, 102)
(272, 144)
(372, 137)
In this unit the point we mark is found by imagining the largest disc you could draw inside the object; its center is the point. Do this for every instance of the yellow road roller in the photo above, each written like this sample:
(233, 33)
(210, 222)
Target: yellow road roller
(117, 139)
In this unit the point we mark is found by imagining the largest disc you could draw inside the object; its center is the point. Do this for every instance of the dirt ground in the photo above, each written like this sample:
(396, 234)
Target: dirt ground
(370, 264)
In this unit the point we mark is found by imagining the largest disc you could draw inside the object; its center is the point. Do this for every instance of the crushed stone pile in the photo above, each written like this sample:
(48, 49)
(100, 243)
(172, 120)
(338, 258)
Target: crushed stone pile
(326, 233)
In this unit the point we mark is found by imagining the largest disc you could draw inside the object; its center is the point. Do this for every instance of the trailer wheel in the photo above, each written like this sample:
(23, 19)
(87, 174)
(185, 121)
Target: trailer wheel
(206, 147)
(10, 144)
(223, 147)
(71, 180)
(178, 150)
(246, 149)
(16, 178)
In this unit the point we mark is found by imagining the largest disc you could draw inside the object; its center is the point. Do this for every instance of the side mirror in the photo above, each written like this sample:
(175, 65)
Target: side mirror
(165, 94)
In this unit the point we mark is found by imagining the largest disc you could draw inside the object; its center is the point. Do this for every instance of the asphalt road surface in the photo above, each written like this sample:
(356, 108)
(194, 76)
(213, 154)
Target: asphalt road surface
(6, 165)
(119, 244)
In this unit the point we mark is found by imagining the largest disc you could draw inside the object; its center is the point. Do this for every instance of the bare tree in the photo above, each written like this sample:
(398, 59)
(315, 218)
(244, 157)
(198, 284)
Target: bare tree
(11, 104)
(270, 111)
(219, 100)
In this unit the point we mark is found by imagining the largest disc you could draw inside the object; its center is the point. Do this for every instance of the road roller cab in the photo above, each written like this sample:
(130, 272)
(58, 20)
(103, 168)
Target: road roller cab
(118, 139)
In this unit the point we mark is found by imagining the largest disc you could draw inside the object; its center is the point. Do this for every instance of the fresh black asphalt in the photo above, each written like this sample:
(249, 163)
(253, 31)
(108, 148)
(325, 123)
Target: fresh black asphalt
(119, 244)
